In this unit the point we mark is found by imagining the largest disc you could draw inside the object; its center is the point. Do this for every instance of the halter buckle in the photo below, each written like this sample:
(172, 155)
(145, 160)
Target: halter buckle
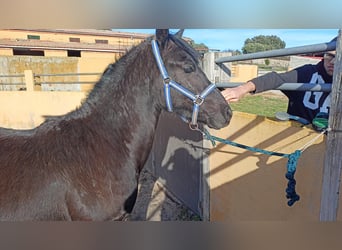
(193, 126)
(199, 100)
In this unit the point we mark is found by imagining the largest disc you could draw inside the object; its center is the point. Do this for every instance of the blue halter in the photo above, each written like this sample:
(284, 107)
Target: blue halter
(169, 83)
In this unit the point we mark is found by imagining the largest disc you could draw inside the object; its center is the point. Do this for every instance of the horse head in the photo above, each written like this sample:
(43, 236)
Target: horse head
(187, 90)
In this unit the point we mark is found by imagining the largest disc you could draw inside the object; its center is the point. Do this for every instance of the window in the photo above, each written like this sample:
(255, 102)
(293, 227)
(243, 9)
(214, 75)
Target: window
(33, 37)
(101, 41)
(28, 52)
(74, 53)
(74, 39)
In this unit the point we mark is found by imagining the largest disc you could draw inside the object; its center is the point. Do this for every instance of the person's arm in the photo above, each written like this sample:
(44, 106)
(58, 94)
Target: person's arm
(259, 84)
(273, 80)
(235, 94)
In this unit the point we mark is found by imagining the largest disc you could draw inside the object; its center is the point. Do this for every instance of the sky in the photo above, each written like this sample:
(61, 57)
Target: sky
(225, 39)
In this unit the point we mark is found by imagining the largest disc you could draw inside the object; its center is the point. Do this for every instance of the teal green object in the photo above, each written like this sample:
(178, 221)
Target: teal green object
(320, 122)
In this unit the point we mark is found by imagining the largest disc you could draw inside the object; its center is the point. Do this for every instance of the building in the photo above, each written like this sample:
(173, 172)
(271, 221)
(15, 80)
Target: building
(66, 42)
(84, 52)
(60, 51)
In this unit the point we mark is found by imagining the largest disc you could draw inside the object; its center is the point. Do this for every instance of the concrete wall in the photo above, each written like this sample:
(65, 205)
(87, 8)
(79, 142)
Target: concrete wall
(14, 65)
(239, 72)
(56, 60)
(6, 52)
(296, 61)
(25, 110)
(213, 71)
(239, 184)
(272, 62)
(243, 72)
(91, 63)
(251, 186)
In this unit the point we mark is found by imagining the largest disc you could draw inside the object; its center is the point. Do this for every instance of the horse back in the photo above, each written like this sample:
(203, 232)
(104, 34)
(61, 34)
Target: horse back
(61, 171)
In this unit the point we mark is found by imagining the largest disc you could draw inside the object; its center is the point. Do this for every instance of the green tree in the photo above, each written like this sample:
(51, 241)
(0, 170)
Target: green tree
(234, 52)
(199, 45)
(262, 43)
(267, 61)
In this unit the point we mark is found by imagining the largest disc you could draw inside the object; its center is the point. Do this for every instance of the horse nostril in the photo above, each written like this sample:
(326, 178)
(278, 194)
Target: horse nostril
(227, 114)
(228, 111)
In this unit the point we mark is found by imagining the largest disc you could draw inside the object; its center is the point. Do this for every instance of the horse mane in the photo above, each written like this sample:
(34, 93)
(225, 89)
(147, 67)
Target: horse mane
(113, 75)
(116, 78)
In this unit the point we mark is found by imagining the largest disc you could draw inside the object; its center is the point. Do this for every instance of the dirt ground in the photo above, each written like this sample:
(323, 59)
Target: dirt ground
(155, 203)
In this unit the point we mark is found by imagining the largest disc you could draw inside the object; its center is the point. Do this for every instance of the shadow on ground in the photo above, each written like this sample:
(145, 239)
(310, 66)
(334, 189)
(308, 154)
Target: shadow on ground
(155, 203)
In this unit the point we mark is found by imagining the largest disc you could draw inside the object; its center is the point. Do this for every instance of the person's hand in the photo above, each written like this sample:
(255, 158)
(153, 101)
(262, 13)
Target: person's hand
(235, 94)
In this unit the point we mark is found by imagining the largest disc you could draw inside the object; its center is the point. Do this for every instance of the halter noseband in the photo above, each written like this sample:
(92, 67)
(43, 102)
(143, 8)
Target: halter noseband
(168, 83)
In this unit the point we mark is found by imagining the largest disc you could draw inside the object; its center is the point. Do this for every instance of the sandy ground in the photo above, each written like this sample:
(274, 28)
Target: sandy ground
(155, 203)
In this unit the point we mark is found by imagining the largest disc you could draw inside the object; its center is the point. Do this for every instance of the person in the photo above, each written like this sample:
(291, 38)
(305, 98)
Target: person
(305, 104)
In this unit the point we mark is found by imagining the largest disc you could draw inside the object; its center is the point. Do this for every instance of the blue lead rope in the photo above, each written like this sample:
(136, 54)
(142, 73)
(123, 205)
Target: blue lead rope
(291, 163)
(291, 170)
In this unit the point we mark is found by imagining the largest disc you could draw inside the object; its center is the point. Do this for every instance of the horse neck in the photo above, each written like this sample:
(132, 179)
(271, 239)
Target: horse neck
(124, 101)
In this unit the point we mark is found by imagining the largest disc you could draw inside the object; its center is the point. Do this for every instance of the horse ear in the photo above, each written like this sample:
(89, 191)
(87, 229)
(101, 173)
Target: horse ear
(161, 36)
(179, 33)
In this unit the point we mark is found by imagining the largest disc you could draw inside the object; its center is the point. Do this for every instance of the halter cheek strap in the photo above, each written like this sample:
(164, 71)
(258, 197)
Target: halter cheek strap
(169, 83)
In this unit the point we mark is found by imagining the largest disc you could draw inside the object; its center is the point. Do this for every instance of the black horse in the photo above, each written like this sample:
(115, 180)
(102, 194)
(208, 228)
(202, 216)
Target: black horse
(85, 165)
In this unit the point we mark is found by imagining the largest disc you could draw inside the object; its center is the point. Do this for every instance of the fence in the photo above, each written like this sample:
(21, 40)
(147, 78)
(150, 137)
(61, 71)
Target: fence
(315, 48)
(29, 81)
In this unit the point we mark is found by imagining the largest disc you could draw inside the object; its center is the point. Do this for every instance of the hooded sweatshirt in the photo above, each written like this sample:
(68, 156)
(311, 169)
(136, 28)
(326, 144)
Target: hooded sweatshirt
(305, 104)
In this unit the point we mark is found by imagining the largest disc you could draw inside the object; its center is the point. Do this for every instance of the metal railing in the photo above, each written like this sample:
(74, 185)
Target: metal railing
(315, 48)
(287, 86)
(46, 82)
(16, 82)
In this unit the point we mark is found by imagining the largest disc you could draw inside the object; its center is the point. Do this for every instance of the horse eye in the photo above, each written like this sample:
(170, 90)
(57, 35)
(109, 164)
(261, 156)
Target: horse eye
(189, 68)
